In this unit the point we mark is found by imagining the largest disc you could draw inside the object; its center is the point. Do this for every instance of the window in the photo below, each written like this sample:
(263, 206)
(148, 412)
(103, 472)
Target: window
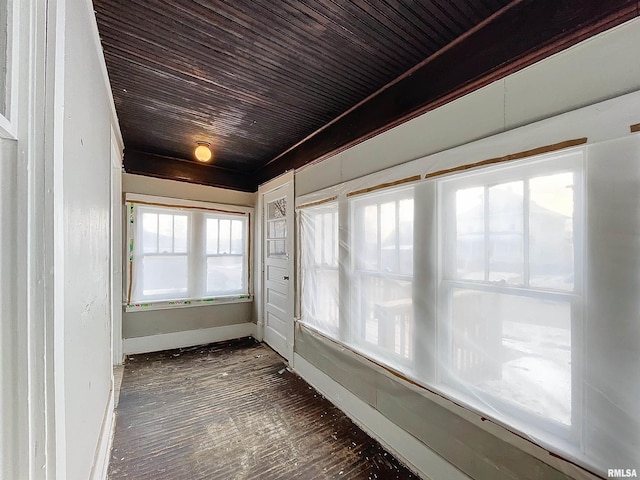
(382, 262)
(4, 58)
(186, 255)
(320, 273)
(510, 298)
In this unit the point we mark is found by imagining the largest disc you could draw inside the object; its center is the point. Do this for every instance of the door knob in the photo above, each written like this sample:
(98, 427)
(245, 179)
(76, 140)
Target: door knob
(286, 277)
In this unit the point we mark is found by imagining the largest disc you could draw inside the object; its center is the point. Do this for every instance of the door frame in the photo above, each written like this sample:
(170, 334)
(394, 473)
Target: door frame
(285, 181)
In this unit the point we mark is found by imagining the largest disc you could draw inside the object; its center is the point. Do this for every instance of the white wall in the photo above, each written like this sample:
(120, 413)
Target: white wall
(86, 231)
(137, 325)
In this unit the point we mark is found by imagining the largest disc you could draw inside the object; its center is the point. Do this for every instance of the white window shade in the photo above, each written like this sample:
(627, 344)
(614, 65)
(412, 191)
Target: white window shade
(186, 255)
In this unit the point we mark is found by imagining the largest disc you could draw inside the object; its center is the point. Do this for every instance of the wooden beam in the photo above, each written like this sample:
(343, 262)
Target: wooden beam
(519, 35)
(186, 171)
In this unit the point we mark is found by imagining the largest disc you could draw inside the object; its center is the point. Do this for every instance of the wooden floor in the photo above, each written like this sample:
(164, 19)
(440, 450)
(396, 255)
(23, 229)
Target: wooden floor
(233, 411)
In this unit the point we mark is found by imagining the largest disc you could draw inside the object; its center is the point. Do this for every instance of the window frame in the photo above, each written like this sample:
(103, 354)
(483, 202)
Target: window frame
(569, 161)
(197, 213)
(357, 332)
(313, 268)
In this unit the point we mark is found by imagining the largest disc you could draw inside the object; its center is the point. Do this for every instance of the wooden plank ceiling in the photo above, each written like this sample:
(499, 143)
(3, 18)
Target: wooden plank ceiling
(273, 85)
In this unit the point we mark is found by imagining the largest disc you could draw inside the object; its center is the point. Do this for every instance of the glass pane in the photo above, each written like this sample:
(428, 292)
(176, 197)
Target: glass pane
(320, 298)
(4, 55)
(470, 250)
(516, 348)
(330, 229)
(164, 276)
(225, 275)
(165, 233)
(149, 232)
(387, 313)
(225, 237)
(277, 209)
(237, 237)
(551, 255)
(212, 236)
(318, 237)
(506, 224)
(406, 236)
(276, 248)
(180, 235)
(369, 255)
(277, 229)
(388, 237)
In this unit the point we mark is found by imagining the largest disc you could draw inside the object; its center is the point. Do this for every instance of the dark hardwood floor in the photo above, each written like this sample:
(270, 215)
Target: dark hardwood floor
(233, 411)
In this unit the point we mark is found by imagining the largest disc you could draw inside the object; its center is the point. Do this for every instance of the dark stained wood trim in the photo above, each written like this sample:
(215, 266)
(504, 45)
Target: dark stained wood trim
(635, 128)
(186, 171)
(382, 186)
(535, 29)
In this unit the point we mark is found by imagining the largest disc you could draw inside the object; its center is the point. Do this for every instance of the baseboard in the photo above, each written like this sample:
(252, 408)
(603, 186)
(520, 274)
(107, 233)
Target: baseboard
(409, 450)
(188, 338)
(101, 461)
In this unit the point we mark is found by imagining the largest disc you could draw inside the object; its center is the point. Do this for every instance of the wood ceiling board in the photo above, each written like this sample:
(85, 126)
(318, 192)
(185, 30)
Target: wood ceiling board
(535, 29)
(255, 77)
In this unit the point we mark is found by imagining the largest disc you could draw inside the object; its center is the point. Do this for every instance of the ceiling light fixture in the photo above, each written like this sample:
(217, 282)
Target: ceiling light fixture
(203, 152)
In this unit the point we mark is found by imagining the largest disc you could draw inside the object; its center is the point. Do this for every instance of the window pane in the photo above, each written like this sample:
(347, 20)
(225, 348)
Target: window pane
(276, 248)
(516, 348)
(470, 249)
(212, 236)
(225, 237)
(149, 232)
(4, 55)
(386, 311)
(330, 229)
(165, 233)
(368, 256)
(224, 274)
(165, 277)
(406, 236)
(551, 256)
(237, 237)
(388, 237)
(277, 209)
(506, 242)
(180, 235)
(277, 229)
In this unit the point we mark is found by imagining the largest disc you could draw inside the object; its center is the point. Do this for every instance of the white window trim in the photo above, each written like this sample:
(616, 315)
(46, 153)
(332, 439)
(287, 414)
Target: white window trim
(149, 305)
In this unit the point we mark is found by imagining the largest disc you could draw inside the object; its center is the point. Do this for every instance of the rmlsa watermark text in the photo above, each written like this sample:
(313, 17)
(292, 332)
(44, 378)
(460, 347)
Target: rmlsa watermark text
(622, 473)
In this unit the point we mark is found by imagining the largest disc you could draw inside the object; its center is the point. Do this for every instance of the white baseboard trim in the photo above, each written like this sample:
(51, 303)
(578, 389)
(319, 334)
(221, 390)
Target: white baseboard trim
(408, 449)
(188, 338)
(100, 467)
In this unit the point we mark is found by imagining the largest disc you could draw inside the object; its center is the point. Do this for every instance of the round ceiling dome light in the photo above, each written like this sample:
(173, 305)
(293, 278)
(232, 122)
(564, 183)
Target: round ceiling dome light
(203, 152)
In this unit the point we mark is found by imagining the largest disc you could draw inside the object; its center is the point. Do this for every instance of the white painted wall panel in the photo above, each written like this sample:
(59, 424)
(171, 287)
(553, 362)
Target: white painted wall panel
(187, 191)
(597, 69)
(86, 199)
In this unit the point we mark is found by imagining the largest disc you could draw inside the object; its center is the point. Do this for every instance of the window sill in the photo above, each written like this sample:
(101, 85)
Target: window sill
(171, 304)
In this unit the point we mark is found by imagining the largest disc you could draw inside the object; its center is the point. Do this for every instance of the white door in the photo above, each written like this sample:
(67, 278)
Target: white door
(278, 269)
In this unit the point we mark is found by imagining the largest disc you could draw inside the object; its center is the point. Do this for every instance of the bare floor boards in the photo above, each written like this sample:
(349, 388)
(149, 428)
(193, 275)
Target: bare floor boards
(232, 411)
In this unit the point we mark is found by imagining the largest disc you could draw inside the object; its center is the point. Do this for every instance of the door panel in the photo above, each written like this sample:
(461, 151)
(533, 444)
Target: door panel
(278, 268)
